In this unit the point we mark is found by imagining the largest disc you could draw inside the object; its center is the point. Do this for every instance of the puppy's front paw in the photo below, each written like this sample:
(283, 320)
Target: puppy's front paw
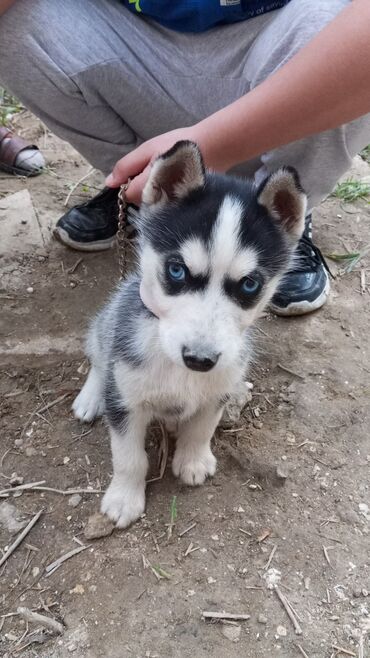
(193, 467)
(88, 405)
(123, 503)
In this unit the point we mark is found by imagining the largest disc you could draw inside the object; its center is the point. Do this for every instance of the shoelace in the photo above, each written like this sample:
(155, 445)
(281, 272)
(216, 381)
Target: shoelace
(309, 256)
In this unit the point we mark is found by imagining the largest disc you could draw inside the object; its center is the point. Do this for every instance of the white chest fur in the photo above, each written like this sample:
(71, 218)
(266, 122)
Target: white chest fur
(163, 386)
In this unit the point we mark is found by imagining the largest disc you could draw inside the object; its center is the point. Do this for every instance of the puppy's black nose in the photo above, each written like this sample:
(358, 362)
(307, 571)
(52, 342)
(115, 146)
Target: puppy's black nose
(200, 362)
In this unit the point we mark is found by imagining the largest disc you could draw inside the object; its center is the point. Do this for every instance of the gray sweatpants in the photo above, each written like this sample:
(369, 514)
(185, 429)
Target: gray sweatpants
(105, 79)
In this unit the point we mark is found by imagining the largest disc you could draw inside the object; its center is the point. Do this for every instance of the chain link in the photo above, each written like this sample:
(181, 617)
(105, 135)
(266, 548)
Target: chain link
(121, 235)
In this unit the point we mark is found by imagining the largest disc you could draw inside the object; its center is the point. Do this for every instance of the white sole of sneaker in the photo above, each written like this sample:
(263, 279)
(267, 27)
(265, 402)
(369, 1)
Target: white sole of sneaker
(101, 245)
(303, 307)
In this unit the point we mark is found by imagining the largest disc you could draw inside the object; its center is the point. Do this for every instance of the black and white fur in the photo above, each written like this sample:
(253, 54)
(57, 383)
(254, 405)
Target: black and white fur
(176, 349)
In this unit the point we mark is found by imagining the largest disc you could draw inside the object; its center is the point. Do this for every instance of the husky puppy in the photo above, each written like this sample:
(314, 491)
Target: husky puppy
(173, 342)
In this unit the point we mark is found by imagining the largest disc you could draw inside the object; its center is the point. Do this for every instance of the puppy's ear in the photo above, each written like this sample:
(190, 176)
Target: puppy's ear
(174, 174)
(282, 195)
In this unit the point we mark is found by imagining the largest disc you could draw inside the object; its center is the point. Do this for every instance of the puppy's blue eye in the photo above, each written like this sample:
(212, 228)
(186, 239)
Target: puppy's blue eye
(249, 286)
(176, 271)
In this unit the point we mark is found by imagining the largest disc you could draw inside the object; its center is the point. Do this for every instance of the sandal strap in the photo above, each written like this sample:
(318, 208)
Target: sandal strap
(12, 148)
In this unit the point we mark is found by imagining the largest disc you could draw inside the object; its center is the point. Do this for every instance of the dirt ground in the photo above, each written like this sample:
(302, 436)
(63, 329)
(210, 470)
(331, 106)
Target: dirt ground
(141, 592)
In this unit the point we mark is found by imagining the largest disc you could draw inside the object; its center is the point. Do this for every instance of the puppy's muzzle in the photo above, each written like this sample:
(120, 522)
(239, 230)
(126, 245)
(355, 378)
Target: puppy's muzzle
(199, 360)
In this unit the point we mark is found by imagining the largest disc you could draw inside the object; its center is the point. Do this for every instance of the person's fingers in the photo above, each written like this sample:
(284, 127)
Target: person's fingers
(135, 189)
(129, 166)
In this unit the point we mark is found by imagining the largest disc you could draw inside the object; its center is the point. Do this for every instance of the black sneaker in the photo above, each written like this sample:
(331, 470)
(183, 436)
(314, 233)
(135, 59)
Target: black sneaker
(91, 226)
(306, 287)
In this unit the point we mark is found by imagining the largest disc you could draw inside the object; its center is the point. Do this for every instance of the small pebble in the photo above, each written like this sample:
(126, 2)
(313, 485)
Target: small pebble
(30, 451)
(231, 633)
(364, 510)
(72, 284)
(98, 526)
(74, 500)
(262, 619)
(281, 631)
(282, 471)
(258, 424)
(66, 460)
(347, 515)
(324, 484)
(30, 289)
(18, 443)
(15, 480)
(72, 647)
(78, 589)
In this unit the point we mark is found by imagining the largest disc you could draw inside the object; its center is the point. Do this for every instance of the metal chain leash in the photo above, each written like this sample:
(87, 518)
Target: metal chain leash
(121, 235)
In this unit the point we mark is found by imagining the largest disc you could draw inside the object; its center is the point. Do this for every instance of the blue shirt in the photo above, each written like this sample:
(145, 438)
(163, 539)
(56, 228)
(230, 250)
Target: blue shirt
(200, 15)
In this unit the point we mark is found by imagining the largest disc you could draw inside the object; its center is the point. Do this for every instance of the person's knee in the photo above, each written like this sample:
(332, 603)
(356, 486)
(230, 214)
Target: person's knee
(20, 28)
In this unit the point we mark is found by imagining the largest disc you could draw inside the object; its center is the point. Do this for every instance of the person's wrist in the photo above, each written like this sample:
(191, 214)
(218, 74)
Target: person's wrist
(215, 155)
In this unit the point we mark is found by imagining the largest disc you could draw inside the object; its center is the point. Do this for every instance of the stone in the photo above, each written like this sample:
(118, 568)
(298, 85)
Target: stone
(231, 633)
(347, 514)
(30, 451)
(98, 526)
(74, 500)
(9, 518)
(281, 631)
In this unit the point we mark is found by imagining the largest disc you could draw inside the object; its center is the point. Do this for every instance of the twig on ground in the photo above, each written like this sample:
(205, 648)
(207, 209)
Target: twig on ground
(75, 186)
(46, 622)
(270, 558)
(155, 541)
(291, 372)
(191, 549)
(2, 462)
(361, 647)
(363, 281)
(288, 609)
(224, 615)
(57, 563)
(190, 527)
(68, 492)
(37, 486)
(245, 532)
(20, 537)
(326, 549)
(301, 649)
(74, 267)
(141, 594)
(45, 407)
(13, 394)
(54, 402)
(16, 614)
(342, 650)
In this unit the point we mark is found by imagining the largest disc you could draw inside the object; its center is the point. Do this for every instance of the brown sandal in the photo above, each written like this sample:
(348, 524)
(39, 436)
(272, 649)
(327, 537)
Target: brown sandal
(10, 150)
